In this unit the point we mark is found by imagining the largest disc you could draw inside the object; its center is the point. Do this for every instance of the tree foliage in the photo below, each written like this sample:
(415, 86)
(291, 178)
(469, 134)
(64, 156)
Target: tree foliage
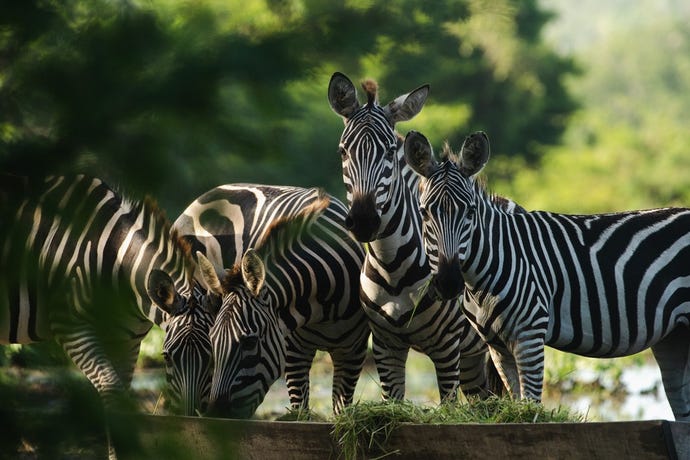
(172, 98)
(627, 148)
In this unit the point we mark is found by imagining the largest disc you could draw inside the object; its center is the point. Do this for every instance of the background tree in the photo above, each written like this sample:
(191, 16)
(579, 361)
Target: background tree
(172, 98)
(627, 146)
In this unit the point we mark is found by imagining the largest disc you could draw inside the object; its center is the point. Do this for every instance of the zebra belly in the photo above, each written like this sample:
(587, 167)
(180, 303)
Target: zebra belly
(602, 340)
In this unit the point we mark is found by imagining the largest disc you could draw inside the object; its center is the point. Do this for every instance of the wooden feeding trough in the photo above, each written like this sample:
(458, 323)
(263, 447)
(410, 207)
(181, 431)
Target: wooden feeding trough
(209, 438)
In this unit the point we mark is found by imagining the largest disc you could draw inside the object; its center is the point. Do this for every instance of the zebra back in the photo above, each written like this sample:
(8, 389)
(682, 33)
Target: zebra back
(315, 281)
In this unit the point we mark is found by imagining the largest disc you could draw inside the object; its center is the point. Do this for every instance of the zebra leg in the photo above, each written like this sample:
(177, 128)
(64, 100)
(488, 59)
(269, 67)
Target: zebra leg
(125, 364)
(298, 363)
(347, 366)
(390, 364)
(86, 351)
(474, 376)
(529, 359)
(106, 353)
(672, 355)
(507, 370)
(452, 372)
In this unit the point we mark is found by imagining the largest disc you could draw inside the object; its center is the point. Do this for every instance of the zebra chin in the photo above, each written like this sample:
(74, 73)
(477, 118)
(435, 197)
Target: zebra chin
(364, 234)
(447, 283)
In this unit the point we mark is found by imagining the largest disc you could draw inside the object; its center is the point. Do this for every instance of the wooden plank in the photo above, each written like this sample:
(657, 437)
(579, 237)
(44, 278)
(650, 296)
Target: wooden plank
(680, 439)
(208, 438)
(586, 441)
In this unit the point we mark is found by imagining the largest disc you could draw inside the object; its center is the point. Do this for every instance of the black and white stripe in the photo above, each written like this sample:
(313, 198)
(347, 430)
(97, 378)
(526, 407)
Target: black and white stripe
(603, 285)
(188, 363)
(75, 257)
(309, 300)
(382, 194)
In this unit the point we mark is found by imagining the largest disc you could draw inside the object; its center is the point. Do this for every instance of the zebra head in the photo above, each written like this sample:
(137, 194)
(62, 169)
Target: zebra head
(447, 205)
(186, 347)
(370, 150)
(247, 340)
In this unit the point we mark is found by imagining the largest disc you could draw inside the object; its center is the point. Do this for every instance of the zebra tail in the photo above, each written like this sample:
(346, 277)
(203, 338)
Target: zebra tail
(494, 382)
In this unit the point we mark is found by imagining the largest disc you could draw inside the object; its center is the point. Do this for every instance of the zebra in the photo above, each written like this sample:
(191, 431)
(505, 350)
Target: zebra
(74, 257)
(383, 212)
(600, 285)
(188, 363)
(309, 300)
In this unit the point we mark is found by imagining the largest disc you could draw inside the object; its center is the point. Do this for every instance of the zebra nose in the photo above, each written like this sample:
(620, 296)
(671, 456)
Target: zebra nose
(217, 409)
(229, 409)
(362, 220)
(448, 282)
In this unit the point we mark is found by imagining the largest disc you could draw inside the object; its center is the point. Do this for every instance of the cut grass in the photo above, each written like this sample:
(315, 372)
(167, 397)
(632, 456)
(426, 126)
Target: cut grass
(364, 428)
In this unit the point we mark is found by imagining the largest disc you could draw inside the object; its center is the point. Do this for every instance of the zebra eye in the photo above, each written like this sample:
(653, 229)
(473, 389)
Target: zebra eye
(390, 153)
(343, 152)
(167, 359)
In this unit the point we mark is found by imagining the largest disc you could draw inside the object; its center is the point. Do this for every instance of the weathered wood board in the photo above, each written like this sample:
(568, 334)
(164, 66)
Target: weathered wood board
(208, 438)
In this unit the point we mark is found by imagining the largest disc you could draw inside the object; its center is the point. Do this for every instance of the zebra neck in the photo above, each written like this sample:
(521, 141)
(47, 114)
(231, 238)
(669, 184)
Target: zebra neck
(489, 245)
(398, 253)
(148, 245)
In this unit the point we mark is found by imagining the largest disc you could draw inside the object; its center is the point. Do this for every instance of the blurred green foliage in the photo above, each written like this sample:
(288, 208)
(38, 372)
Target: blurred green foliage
(627, 146)
(172, 98)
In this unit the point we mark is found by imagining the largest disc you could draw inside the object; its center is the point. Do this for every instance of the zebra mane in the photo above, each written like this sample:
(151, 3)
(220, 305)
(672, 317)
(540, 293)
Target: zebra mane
(371, 88)
(284, 231)
(498, 201)
(448, 154)
(479, 184)
(232, 277)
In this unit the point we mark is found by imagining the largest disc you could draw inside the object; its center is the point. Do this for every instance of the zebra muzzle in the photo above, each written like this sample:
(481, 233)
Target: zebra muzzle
(362, 220)
(448, 282)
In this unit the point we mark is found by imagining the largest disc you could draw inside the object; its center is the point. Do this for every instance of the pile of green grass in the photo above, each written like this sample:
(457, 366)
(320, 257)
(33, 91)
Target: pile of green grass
(364, 428)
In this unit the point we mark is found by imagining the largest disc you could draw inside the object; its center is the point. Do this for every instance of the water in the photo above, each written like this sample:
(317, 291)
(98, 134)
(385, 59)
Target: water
(643, 398)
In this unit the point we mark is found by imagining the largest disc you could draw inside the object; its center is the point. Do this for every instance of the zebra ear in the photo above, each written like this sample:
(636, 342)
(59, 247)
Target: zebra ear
(253, 271)
(408, 105)
(419, 155)
(208, 274)
(342, 95)
(161, 289)
(474, 154)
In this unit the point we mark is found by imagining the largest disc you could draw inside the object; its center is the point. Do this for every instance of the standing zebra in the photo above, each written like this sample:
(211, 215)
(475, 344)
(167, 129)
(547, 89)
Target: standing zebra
(74, 258)
(383, 200)
(309, 300)
(603, 285)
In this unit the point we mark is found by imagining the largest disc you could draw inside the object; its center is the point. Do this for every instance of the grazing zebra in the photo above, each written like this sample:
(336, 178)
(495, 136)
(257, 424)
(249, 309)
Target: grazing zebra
(602, 285)
(186, 343)
(309, 300)
(383, 211)
(74, 258)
